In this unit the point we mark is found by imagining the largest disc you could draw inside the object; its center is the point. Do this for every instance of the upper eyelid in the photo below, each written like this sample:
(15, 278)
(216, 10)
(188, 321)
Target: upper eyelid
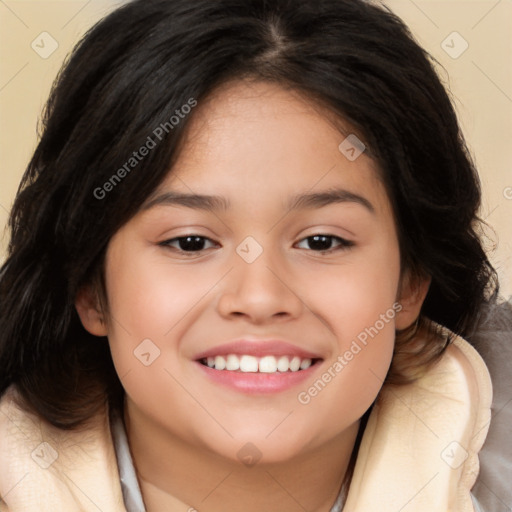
(343, 239)
(319, 233)
(174, 238)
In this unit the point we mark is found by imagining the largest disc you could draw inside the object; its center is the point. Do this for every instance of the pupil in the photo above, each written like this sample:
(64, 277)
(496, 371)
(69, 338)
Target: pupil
(319, 242)
(192, 243)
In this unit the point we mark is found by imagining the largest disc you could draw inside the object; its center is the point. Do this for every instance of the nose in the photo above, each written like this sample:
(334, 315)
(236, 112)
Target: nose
(262, 291)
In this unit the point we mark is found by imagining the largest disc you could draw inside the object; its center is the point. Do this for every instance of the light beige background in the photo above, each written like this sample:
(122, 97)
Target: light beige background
(480, 79)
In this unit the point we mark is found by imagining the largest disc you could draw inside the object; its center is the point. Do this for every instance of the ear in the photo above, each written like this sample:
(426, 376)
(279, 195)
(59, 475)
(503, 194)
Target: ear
(89, 310)
(411, 295)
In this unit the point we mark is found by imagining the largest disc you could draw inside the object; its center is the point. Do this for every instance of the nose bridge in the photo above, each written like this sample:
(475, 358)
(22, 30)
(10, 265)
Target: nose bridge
(258, 265)
(258, 285)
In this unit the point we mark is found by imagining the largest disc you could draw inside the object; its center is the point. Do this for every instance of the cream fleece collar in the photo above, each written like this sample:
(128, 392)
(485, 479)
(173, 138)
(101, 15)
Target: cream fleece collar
(419, 451)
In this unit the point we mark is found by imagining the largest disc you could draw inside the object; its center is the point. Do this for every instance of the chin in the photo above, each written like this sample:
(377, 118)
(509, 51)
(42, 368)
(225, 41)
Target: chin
(257, 448)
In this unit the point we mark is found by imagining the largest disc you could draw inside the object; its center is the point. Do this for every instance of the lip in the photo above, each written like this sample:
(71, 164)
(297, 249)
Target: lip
(258, 348)
(256, 383)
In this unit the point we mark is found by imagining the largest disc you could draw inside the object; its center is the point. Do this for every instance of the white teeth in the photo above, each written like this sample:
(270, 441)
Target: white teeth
(268, 364)
(232, 363)
(251, 364)
(283, 364)
(305, 364)
(220, 363)
(248, 364)
(295, 364)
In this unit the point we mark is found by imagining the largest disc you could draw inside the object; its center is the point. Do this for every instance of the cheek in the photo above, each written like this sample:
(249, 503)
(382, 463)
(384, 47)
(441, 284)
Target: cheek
(152, 303)
(348, 386)
(148, 306)
(149, 297)
(353, 296)
(361, 317)
(358, 302)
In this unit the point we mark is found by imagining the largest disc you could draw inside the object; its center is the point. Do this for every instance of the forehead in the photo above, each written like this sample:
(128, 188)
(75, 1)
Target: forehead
(258, 142)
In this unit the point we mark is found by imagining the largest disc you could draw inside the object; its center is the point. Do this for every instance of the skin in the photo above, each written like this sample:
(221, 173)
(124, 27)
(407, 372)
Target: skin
(256, 144)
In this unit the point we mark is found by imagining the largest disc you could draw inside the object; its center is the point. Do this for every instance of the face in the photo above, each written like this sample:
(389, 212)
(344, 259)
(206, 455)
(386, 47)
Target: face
(289, 278)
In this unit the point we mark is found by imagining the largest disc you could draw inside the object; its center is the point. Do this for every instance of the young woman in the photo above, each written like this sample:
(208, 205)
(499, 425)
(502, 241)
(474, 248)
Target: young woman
(243, 259)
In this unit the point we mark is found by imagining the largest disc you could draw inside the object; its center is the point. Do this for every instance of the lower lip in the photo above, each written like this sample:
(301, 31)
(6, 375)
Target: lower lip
(258, 383)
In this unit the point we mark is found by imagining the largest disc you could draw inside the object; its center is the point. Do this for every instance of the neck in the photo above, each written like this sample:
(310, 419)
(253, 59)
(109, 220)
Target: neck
(176, 476)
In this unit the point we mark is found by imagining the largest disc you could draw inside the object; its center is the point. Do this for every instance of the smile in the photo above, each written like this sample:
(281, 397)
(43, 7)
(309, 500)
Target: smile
(251, 364)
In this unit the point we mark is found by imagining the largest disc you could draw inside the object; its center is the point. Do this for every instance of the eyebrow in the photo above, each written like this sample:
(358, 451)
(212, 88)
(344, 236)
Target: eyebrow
(195, 201)
(327, 197)
(300, 201)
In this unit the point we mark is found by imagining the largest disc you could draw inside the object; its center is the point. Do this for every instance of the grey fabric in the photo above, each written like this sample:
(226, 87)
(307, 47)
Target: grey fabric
(340, 501)
(492, 338)
(476, 505)
(129, 484)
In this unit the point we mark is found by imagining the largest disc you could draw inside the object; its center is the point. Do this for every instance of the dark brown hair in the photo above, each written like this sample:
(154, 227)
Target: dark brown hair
(130, 73)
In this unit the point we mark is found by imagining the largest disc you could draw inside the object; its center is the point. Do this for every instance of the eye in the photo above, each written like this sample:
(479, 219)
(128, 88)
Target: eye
(322, 243)
(188, 243)
(196, 243)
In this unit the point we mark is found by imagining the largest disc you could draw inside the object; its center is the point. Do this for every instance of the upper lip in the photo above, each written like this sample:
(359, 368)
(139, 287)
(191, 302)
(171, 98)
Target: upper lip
(258, 348)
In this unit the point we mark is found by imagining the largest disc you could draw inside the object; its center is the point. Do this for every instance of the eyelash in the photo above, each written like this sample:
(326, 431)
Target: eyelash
(344, 244)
